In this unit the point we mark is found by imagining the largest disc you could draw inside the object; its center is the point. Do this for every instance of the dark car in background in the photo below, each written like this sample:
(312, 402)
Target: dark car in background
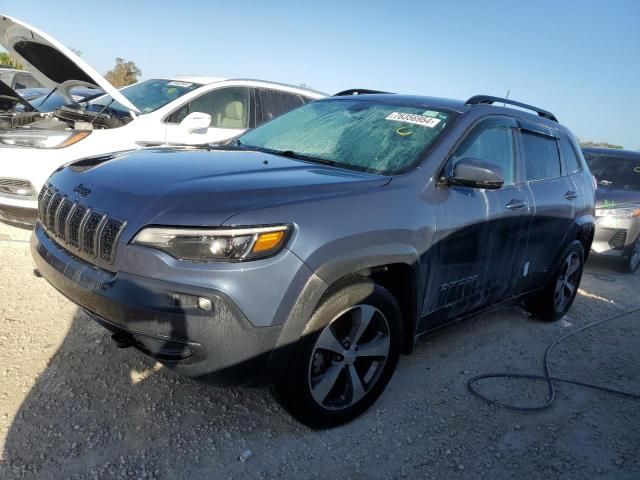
(617, 173)
(43, 100)
(314, 249)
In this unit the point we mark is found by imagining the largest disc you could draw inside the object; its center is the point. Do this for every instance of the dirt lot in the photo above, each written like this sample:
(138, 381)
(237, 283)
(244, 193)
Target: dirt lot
(73, 406)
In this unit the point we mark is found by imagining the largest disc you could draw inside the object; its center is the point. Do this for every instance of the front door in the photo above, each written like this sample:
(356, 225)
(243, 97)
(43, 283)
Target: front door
(477, 257)
(229, 111)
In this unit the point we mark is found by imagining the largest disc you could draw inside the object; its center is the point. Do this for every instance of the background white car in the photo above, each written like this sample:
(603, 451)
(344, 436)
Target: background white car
(179, 110)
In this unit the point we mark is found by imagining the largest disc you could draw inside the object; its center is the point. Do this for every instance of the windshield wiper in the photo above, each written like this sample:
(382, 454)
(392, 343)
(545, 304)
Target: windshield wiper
(298, 156)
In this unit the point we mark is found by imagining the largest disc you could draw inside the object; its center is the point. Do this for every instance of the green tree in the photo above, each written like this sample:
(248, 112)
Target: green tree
(8, 60)
(123, 74)
(600, 144)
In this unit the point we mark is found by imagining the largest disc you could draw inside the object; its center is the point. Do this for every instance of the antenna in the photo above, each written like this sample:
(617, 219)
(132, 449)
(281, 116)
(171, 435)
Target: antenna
(506, 97)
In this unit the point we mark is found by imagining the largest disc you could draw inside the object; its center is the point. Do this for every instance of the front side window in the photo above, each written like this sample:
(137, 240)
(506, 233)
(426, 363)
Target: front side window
(541, 155)
(228, 107)
(353, 133)
(570, 158)
(492, 141)
(148, 96)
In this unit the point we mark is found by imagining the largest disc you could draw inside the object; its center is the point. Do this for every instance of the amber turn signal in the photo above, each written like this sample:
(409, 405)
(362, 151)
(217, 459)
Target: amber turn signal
(268, 241)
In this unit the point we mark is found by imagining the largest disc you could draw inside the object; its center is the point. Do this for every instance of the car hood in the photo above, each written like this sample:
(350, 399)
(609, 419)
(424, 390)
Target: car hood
(608, 197)
(50, 62)
(199, 187)
(9, 98)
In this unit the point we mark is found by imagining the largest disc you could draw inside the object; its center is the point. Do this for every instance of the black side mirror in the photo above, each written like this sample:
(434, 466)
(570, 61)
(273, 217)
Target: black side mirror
(471, 172)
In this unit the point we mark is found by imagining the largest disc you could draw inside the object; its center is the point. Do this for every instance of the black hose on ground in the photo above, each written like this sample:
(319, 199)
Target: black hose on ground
(471, 384)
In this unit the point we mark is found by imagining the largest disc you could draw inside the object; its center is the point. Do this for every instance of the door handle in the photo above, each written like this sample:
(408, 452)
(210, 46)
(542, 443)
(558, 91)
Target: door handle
(571, 195)
(516, 204)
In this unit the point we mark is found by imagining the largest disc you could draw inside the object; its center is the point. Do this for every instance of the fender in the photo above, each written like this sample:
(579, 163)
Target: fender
(320, 282)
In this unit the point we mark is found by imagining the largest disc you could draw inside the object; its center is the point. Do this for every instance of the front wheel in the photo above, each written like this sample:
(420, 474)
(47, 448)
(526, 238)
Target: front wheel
(345, 358)
(554, 301)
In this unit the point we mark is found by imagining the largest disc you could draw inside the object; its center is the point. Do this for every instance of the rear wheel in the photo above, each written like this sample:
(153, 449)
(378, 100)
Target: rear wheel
(554, 301)
(346, 357)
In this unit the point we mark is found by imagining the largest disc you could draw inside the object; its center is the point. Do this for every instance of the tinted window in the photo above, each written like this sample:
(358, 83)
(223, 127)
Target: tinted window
(274, 103)
(541, 156)
(228, 107)
(569, 154)
(353, 133)
(490, 143)
(614, 171)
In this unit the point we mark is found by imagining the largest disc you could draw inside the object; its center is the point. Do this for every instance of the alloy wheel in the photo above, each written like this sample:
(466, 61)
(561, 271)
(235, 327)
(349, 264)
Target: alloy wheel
(567, 282)
(348, 357)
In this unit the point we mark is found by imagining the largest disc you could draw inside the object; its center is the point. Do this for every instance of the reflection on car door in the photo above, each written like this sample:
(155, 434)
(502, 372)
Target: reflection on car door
(554, 195)
(481, 235)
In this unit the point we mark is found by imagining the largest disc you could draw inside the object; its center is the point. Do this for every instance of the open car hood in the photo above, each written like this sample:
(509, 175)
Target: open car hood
(9, 98)
(50, 62)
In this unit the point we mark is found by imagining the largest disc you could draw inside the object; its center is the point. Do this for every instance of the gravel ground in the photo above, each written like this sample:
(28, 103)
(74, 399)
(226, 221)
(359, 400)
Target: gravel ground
(73, 406)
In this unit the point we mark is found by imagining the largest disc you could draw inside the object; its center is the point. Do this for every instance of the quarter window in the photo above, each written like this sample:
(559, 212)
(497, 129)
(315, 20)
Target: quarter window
(491, 142)
(569, 154)
(228, 107)
(542, 159)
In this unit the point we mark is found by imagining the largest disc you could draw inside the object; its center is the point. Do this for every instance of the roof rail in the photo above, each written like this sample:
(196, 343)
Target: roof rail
(357, 91)
(489, 100)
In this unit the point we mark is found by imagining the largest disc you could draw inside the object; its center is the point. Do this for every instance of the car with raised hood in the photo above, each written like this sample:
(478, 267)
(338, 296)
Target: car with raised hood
(172, 110)
(311, 251)
(617, 173)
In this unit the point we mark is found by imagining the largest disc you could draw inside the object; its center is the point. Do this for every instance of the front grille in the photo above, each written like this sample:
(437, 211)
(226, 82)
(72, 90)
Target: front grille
(78, 228)
(13, 186)
(618, 240)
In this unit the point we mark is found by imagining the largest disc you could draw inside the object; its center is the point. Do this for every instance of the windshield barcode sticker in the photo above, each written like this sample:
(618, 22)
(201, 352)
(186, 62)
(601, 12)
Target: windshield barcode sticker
(177, 83)
(428, 122)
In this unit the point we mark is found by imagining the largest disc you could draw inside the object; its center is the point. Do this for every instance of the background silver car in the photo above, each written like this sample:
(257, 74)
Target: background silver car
(617, 173)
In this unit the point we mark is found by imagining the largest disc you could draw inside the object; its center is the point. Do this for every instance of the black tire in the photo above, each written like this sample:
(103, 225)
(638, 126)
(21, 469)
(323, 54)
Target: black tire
(330, 321)
(545, 305)
(633, 263)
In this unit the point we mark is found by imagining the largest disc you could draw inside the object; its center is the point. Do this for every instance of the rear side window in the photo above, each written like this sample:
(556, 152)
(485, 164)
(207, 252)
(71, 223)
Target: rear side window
(569, 154)
(542, 159)
(273, 103)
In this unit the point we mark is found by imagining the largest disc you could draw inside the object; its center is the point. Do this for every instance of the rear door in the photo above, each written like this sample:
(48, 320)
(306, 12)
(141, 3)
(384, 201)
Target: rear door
(554, 195)
(273, 103)
(481, 235)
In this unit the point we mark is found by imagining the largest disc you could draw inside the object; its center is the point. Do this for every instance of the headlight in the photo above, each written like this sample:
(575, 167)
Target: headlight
(207, 245)
(42, 138)
(629, 211)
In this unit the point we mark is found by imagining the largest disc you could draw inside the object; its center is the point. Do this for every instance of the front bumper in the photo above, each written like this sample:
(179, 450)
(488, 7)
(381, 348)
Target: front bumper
(615, 237)
(164, 320)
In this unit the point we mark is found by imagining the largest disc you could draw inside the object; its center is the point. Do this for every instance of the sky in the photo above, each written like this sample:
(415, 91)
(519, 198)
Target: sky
(578, 59)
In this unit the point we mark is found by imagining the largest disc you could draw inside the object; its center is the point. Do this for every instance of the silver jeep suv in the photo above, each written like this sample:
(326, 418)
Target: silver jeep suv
(311, 251)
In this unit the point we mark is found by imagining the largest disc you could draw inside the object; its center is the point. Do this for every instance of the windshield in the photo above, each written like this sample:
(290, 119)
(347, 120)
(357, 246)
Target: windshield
(354, 133)
(613, 171)
(148, 96)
